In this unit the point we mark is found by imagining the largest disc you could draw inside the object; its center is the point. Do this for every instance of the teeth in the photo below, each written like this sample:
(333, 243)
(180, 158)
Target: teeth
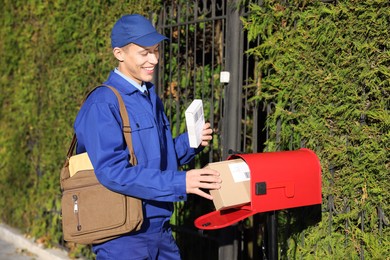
(150, 69)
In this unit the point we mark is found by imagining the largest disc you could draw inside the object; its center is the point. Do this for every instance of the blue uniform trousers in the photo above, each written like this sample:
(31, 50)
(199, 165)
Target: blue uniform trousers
(153, 242)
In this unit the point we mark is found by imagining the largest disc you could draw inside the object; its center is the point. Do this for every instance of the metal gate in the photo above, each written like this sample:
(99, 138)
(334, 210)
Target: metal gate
(205, 58)
(206, 42)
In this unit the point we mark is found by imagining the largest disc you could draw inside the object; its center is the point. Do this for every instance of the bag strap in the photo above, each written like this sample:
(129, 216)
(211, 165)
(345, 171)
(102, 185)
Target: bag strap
(125, 121)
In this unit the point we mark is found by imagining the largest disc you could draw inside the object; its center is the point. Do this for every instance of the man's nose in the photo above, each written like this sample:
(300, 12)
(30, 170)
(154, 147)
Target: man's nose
(153, 58)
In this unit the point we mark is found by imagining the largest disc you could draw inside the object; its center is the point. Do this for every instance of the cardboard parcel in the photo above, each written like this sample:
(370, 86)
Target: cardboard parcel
(235, 187)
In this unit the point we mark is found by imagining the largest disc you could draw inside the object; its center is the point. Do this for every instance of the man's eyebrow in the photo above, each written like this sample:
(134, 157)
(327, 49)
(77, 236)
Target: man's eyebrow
(151, 48)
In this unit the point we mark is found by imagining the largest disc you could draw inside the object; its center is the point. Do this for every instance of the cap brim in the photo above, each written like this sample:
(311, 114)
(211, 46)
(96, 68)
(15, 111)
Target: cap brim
(150, 39)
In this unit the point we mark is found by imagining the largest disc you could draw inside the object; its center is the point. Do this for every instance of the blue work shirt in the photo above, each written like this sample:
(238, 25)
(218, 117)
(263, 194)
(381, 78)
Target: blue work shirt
(156, 178)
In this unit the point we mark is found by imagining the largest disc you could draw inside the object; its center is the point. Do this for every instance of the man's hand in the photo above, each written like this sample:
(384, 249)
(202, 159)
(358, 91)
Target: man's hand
(202, 179)
(207, 134)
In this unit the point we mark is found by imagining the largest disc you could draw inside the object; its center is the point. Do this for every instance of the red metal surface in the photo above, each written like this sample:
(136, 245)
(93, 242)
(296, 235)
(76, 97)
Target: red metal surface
(223, 218)
(286, 179)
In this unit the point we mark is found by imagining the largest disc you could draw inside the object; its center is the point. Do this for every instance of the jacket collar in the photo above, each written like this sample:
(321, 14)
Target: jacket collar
(121, 84)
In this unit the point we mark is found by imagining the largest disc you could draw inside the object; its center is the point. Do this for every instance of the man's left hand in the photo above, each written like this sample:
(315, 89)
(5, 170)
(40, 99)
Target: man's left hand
(207, 134)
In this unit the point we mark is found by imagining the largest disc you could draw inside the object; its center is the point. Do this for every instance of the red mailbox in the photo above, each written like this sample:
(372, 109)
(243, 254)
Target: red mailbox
(279, 180)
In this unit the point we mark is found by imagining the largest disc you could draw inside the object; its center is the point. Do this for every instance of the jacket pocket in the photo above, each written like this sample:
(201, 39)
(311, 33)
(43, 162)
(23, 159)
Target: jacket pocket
(147, 140)
(142, 122)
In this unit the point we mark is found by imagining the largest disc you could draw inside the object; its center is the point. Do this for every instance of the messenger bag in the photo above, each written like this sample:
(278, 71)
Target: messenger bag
(91, 213)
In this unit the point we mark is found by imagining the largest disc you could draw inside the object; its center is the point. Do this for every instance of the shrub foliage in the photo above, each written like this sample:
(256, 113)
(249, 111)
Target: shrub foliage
(323, 65)
(326, 69)
(52, 52)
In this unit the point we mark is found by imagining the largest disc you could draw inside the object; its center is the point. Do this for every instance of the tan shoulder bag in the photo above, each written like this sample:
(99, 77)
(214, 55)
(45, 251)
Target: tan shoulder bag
(90, 212)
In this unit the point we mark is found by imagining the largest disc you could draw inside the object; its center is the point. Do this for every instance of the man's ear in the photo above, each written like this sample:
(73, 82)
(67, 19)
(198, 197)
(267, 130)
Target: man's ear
(118, 53)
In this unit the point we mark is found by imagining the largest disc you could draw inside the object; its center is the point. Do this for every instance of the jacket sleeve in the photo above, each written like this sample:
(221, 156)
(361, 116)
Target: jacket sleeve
(98, 130)
(184, 152)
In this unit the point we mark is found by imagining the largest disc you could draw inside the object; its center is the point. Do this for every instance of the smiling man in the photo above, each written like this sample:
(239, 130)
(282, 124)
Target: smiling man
(155, 179)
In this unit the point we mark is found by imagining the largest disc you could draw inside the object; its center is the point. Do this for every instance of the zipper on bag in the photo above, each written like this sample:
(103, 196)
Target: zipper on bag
(76, 211)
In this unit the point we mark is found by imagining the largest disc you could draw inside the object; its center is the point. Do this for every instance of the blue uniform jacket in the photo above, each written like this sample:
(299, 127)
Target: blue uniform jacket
(156, 178)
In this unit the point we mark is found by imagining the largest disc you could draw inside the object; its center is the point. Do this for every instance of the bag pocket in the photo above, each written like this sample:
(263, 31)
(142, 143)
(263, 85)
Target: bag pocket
(90, 209)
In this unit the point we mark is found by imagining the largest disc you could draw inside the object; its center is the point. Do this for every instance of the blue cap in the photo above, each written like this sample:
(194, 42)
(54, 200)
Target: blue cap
(136, 29)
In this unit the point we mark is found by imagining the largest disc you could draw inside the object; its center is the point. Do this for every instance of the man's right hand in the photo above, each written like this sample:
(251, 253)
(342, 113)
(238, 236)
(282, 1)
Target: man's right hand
(198, 179)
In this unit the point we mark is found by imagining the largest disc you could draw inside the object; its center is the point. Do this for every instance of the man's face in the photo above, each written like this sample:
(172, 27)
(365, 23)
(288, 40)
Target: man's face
(139, 62)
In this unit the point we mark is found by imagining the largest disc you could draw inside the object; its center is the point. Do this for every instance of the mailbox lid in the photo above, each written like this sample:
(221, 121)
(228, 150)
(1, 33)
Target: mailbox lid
(223, 218)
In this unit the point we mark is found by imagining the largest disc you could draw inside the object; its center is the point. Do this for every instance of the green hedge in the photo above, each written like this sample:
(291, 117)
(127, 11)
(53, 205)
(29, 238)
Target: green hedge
(52, 52)
(326, 67)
